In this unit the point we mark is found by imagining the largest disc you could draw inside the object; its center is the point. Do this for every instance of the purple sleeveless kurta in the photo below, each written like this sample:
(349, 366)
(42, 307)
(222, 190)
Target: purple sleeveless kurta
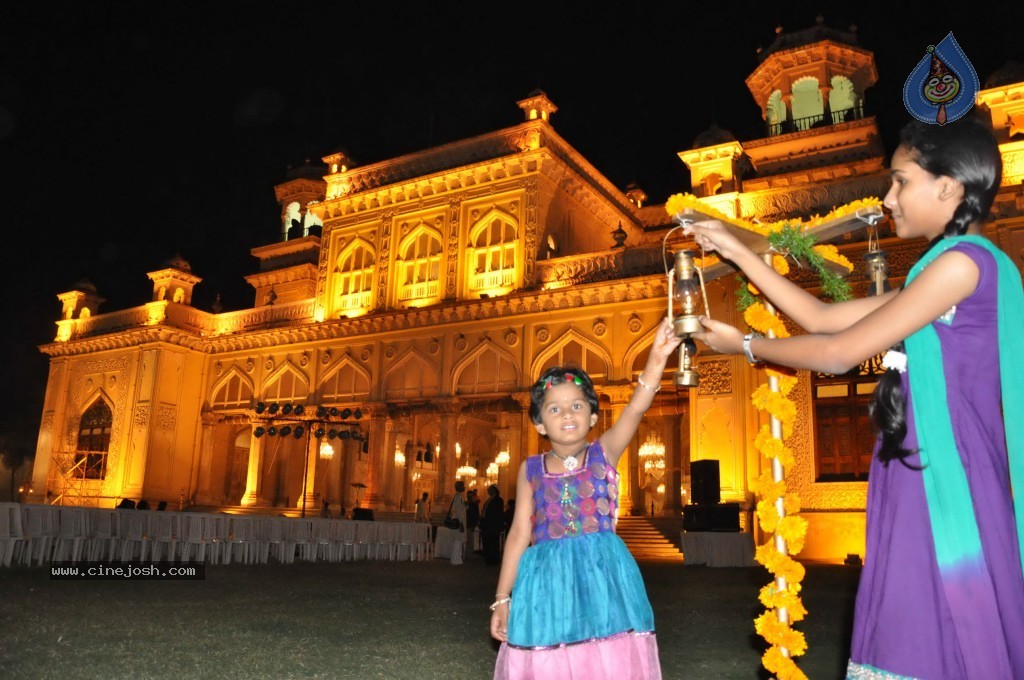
(903, 626)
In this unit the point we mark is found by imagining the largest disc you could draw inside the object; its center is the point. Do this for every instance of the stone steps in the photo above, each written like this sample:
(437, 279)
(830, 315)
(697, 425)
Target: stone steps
(646, 542)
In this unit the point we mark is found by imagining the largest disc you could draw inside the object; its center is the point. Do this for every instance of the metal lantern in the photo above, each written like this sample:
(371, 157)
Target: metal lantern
(686, 293)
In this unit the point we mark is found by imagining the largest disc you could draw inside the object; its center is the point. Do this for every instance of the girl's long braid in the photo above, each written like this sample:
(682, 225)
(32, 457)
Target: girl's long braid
(973, 159)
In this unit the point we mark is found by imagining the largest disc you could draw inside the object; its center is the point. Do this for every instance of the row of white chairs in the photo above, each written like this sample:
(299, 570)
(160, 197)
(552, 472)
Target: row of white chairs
(32, 534)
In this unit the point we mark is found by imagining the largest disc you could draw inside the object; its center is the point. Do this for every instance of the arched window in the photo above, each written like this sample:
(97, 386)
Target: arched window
(353, 278)
(775, 113)
(844, 437)
(419, 266)
(93, 442)
(234, 392)
(843, 101)
(493, 256)
(808, 106)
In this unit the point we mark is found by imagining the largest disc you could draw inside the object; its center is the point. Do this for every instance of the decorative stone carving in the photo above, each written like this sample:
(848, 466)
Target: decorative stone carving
(304, 359)
(165, 417)
(389, 351)
(269, 364)
(434, 347)
(543, 334)
(141, 415)
(634, 324)
(460, 342)
(249, 365)
(511, 338)
(715, 377)
(325, 358)
(600, 327)
(365, 354)
(218, 368)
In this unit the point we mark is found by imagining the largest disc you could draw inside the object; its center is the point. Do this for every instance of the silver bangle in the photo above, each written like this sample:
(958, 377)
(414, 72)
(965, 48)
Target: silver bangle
(500, 601)
(746, 346)
(640, 381)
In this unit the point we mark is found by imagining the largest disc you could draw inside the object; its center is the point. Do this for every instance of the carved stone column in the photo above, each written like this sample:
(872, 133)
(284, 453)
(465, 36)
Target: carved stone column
(309, 498)
(204, 494)
(673, 506)
(524, 441)
(393, 487)
(450, 409)
(254, 478)
(787, 124)
(826, 109)
(378, 468)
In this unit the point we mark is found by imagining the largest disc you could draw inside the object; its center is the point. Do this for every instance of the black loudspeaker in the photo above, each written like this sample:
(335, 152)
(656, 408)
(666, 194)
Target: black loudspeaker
(362, 513)
(720, 517)
(705, 488)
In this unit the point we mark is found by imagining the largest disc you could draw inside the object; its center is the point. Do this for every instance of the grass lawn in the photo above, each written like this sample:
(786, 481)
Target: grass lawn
(395, 620)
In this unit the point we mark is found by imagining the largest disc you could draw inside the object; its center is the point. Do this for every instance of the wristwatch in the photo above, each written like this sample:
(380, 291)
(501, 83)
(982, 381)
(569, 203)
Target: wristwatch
(746, 346)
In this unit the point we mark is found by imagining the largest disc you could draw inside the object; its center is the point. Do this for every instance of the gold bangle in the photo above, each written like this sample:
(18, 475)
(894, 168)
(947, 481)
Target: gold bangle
(500, 601)
(640, 381)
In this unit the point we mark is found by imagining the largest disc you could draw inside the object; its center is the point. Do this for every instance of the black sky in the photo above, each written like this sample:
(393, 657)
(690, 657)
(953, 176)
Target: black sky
(131, 132)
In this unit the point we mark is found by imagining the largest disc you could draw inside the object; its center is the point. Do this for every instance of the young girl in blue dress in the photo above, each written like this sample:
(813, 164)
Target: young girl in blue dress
(570, 601)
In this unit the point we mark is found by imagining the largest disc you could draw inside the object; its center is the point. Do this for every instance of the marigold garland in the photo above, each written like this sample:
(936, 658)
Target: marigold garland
(788, 239)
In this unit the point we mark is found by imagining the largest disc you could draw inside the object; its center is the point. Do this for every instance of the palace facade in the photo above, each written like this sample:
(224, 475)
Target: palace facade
(409, 305)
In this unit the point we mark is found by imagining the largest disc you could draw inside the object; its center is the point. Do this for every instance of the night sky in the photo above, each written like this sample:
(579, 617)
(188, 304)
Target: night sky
(131, 132)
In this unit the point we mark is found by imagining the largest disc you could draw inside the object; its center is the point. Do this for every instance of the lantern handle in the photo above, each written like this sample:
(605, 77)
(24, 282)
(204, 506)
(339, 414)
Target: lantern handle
(670, 273)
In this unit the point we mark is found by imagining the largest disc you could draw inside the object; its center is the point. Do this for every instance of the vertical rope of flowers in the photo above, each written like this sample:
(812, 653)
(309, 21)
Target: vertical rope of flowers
(777, 508)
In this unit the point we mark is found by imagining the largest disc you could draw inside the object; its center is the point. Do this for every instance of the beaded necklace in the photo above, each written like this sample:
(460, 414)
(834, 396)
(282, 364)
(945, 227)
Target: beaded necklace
(570, 463)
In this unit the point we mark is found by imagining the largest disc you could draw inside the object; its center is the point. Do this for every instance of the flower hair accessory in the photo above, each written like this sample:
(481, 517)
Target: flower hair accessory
(896, 360)
(569, 377)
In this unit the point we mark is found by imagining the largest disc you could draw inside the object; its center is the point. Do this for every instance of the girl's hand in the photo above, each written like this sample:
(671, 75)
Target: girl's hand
(720, 336)
(713, 236)
(665, 341)
(499, 623)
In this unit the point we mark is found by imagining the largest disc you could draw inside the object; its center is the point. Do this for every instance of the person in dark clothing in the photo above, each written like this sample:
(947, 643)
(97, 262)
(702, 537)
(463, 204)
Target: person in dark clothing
(472, 520)
(510, 512)
(492, 523)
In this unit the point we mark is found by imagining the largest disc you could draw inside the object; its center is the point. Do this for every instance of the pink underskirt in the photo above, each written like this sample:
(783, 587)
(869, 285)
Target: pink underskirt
(629, 656)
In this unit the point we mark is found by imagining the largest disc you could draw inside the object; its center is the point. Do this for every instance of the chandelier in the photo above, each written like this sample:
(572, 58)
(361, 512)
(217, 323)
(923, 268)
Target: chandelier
(652, 455)
(502, 458)
(326, 451)
(492, 473)
(399, 457)
(466, 471)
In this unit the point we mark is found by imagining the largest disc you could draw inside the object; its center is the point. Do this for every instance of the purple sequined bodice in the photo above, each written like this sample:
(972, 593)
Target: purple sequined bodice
(570, 504)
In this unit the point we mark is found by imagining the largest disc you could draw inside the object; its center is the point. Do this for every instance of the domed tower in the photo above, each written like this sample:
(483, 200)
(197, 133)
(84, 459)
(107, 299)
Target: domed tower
(174, 282)
(812, 78)
(810, 85)
(716, 164)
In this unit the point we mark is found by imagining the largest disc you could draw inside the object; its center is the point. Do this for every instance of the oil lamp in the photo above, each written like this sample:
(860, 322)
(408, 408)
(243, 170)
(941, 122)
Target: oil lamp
(686, 293)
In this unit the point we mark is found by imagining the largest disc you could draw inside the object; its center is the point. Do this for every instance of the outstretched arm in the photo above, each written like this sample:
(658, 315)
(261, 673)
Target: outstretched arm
(806, 310)
(616, 438)
(944, 283)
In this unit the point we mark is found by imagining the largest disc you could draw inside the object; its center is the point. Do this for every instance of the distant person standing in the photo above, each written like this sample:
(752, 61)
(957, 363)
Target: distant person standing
(472, 519)
(492, 523)
(510, 512)
(422, 508)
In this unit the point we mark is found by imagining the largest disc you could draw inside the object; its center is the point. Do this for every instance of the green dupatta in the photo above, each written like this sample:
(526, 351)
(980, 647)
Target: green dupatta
(954, 527)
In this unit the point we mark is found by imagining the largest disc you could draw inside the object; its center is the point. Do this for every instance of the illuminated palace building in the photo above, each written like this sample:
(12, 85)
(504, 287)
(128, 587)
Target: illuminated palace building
(409, 305)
